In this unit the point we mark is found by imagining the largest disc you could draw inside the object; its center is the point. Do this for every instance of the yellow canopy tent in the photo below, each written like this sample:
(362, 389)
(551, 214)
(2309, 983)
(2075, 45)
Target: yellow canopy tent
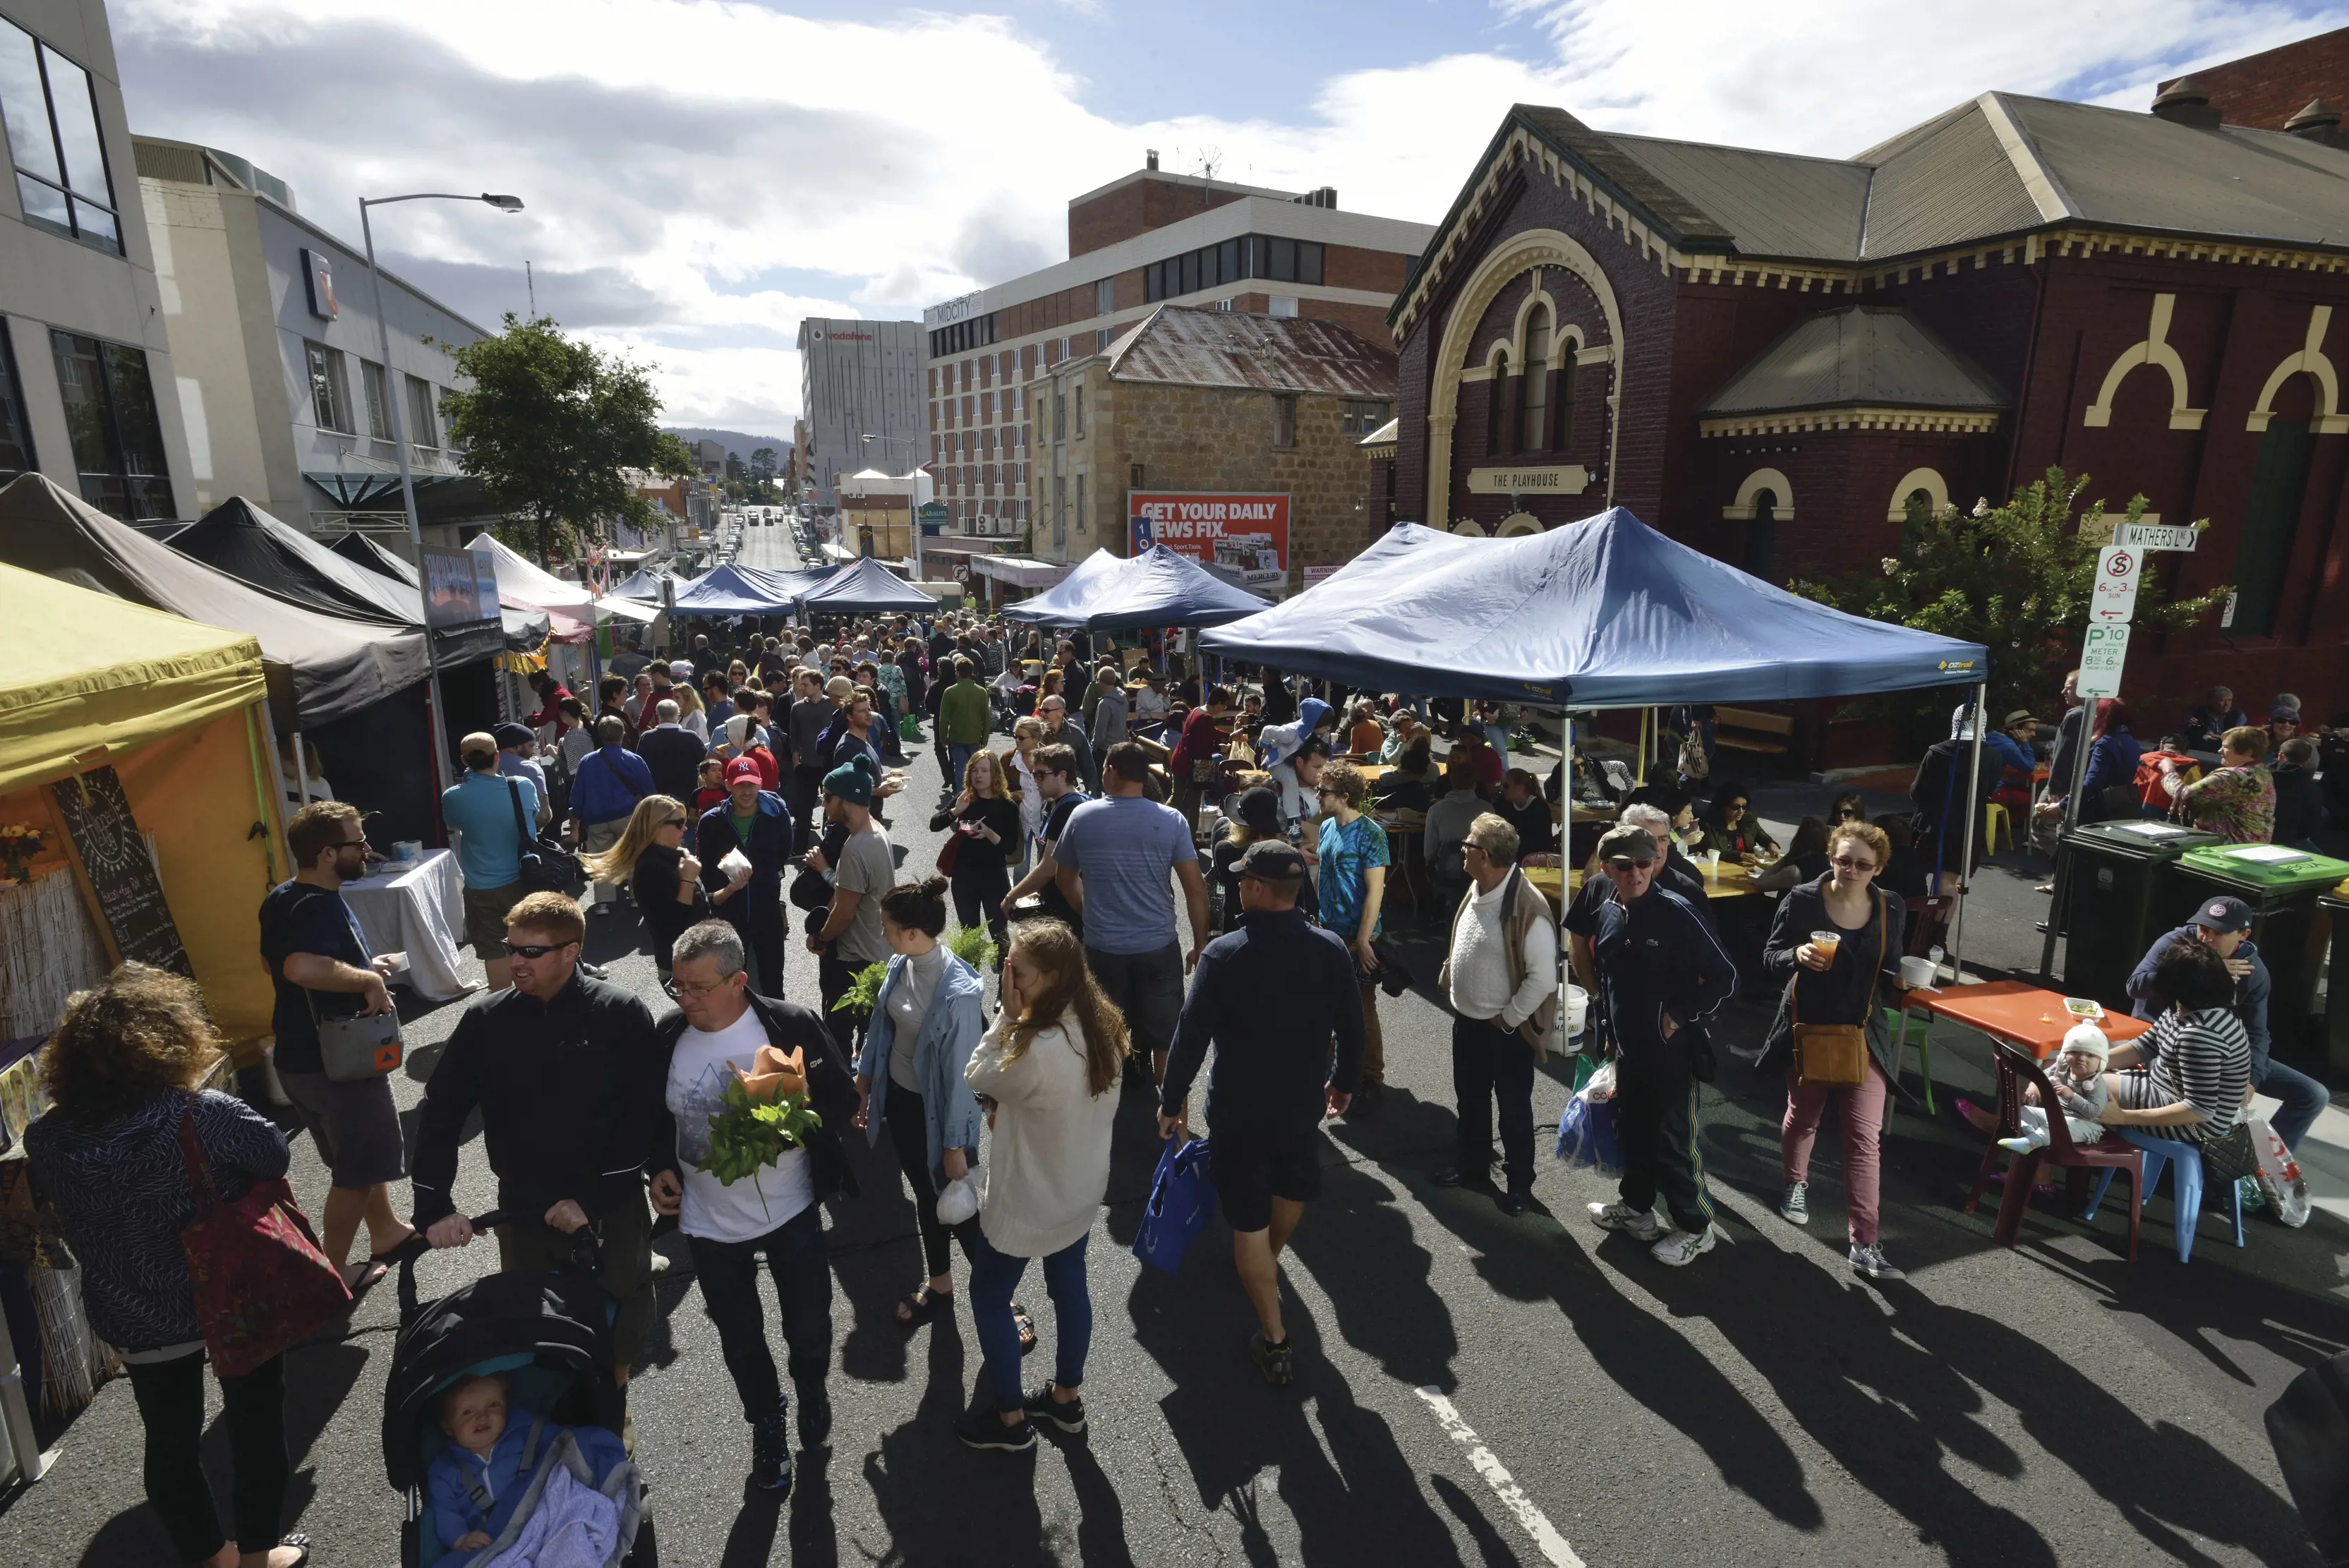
(180, 711)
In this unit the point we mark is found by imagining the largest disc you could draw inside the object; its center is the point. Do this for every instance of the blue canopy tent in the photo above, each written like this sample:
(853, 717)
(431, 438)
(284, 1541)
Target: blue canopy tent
(645, 586)
(1157, 587)
(866, 587)
(1604, 613)
(733, 590)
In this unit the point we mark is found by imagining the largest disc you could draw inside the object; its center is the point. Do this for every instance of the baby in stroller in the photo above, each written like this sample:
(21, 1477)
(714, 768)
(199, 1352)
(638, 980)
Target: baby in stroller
(476, 1485)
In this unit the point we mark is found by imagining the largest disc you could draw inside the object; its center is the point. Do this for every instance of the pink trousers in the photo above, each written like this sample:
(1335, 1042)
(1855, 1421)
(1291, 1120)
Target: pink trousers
(1863, 1126)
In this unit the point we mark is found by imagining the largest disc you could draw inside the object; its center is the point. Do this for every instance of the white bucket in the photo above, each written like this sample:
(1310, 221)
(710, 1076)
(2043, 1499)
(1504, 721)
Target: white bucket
(1577, 1009)
(1916, 972)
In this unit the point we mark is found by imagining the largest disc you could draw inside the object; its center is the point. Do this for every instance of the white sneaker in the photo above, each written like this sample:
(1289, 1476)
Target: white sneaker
(1622, 1217)
(1870, 1261)
(1683, 1247)
(1795, 1208)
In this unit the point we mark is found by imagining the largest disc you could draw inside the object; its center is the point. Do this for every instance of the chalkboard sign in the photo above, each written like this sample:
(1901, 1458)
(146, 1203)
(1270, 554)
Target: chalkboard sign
(115, 866)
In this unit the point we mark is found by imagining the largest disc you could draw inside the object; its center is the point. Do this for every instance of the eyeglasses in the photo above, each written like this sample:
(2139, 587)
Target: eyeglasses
(534, 953)
(696, 992)
(1845, 863)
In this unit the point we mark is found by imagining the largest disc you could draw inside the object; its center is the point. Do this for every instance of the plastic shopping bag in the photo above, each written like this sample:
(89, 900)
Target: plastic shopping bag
(2279, 1175)
(959, 1200)
(1585, 1134)
(1181, 1201)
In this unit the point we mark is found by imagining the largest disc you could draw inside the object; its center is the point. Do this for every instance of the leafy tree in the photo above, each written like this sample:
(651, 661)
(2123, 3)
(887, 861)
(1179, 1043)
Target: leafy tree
(548, 426)
(2016, 579)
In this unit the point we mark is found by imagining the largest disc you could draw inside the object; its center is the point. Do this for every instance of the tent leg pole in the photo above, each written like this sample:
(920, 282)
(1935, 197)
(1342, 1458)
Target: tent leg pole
(1973, 824)
(257, 719)
(1564, 857)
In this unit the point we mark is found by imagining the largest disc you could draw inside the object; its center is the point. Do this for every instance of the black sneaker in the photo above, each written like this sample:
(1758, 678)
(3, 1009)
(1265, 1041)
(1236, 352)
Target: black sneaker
(1365, 1101)
(1513, 1201)
(1276, 1362)
(815, 1419)
(981, 1429)
(1068, 1418)
(770, 1452)
(1461, 1176)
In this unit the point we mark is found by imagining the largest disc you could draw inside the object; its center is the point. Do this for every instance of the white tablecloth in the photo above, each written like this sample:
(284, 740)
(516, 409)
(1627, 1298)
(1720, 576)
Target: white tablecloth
(419, 912)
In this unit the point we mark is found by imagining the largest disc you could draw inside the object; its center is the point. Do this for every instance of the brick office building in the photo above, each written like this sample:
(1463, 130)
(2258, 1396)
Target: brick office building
(1147, 239)
(1213, 403)
(1765, 355)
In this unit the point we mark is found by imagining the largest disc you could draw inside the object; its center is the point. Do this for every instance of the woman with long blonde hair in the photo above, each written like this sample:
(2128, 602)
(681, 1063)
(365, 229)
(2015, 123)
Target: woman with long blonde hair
(662, 873)
(1019, 783)
(986, 820)
(690, 714)
(1048, 1070)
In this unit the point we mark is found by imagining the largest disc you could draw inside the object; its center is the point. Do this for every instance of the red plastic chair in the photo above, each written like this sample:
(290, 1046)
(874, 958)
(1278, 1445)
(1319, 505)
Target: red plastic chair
(2016, 1068)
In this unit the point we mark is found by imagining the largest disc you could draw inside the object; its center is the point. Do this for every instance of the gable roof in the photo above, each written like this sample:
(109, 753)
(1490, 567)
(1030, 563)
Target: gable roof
(1180, 346)
(1863, 356)
(1997, 166)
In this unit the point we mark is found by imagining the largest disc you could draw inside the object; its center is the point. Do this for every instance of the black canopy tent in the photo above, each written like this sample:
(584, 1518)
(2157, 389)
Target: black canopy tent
(359, 687)
(356, 548)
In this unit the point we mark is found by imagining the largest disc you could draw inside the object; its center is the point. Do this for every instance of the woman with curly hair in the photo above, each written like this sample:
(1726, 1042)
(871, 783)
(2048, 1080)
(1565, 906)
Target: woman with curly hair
(1048, 1074)
(121, 1072)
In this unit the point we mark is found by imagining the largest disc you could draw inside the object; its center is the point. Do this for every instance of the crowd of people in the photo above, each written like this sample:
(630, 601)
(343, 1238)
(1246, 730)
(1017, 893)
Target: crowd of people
(1176, 880)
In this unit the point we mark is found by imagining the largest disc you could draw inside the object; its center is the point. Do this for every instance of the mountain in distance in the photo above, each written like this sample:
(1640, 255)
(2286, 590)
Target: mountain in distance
(734, 441)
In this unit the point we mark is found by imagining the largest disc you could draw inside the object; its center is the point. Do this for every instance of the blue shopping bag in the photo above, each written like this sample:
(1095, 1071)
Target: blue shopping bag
(1181, 1201)
(1585, 1134)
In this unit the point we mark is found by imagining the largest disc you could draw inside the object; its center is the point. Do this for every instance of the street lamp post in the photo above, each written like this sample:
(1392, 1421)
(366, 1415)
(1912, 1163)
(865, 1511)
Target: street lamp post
(396, 396)
(913, 507)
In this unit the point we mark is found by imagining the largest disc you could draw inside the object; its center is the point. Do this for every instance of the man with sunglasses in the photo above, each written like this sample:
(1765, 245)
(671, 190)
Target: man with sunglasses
(567, 1075)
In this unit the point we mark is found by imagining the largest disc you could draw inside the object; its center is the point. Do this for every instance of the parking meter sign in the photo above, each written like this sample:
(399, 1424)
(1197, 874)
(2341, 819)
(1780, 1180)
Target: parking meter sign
(2101, 656)
(2114, 597)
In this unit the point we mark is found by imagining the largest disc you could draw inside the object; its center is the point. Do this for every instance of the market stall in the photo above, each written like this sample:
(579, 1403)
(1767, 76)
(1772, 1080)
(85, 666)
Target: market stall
(867, 588)
(1051, 606)
(1155, 588)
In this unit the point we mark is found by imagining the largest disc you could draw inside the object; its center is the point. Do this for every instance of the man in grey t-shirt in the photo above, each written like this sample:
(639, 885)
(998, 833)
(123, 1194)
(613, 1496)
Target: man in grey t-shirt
(850, 936)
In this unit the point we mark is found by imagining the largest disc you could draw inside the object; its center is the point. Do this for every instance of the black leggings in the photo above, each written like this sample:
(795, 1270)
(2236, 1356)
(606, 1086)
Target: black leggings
(978, 893)
(170, 1395)
(909, 1134)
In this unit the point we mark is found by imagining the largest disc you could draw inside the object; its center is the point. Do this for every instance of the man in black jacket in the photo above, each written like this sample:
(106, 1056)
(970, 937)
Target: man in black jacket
(1271, 996)
(672, 752)
(757, 822)
(567, 1077)
(775, 1210)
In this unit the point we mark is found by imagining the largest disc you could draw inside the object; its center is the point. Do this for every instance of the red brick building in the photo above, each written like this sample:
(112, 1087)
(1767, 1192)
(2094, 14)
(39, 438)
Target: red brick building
(1765, 355)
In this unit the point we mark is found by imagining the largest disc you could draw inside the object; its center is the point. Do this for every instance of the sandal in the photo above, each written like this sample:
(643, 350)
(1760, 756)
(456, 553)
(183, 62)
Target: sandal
(1026, 1325)
(915, 1309)
(360, 1277)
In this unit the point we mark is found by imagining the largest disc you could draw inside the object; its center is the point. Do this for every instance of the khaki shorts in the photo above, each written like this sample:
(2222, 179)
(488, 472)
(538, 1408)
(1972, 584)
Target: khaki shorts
(485, 918)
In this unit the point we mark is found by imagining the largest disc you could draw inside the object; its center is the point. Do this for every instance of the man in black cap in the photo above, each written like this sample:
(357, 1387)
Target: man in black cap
(1661, 973)
(1271, 996)
(515, 744)
(2223, 925)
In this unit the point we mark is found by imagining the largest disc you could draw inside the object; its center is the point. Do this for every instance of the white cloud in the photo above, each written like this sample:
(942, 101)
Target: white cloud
(700, 174)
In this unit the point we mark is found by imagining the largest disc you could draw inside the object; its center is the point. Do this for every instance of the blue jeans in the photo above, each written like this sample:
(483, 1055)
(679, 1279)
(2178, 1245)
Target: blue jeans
(957, 758)
(993, 1277)
(2303, 1098)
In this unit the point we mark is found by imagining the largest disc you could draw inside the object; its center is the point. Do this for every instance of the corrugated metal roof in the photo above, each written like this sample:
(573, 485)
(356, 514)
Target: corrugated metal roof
(1773, 203)
(1667, 208)
(1943, 182)
(1863, 356)
(1177, 345)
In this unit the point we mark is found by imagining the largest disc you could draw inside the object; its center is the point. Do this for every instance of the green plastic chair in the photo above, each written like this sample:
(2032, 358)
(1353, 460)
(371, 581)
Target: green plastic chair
(1913, 1028)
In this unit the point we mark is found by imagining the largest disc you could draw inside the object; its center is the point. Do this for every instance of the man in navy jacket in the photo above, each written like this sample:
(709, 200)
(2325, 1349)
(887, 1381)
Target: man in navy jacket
(756, 821)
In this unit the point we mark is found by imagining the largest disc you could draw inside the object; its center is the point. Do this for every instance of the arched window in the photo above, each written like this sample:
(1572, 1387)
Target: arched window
(1762, 536)
(1497, 409)
(1533, 434)
(2271, 513)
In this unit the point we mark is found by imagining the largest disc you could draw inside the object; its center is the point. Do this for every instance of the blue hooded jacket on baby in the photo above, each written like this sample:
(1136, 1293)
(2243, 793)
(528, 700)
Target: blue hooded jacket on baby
(448, 1484)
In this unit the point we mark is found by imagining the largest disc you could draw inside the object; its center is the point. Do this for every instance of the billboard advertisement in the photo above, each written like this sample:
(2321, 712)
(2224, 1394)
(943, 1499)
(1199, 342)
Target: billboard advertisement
(1241, 537)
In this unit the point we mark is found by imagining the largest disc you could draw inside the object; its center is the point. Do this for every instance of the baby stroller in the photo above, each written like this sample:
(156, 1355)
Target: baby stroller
(549, 1335)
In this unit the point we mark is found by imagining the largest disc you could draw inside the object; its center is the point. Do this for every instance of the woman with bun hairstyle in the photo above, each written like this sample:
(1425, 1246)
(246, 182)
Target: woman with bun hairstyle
(926, 1022)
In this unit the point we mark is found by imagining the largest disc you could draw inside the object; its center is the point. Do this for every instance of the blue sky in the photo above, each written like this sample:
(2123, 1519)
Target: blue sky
(701, 174)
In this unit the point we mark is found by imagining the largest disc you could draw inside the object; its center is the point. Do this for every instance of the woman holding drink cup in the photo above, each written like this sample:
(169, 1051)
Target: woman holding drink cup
(1833, 945)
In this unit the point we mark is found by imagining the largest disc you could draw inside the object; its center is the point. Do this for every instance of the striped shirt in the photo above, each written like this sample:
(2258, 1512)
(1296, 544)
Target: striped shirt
(2202, 1058)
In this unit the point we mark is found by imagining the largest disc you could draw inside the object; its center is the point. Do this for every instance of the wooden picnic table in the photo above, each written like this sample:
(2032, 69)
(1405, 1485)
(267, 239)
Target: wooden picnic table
(1735, 881)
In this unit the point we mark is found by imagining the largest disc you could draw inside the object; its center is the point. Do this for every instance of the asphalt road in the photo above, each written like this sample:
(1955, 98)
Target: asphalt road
(1472, 1388)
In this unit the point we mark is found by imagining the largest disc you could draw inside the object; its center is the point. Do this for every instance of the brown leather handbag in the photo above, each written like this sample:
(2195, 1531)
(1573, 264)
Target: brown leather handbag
(1834, 1055)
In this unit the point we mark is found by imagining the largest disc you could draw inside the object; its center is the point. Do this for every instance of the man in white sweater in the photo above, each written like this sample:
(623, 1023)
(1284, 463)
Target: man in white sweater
(1501, 980)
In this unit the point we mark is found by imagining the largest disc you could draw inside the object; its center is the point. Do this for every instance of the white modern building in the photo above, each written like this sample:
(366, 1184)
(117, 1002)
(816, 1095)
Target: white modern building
(859, 379)
(283, 387)
(88, 391)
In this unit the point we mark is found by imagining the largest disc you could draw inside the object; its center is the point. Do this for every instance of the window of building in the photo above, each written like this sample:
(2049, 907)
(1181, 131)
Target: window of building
(329, 397)
(978, 332)
(423, 421)
(15, 435)
(1533, 430)
(1081, 411)
(1060, 415)
(1283, 307)
(379, 400)
(1229, 260)
(1105, 296)
(1284, 419)
(1565, 416)
(1496, 404)
(1101, 341)
(1364, 418)
(51, 116)
(1762, 536)
(2272, 515)
(1059, 509)
(1133, 476)
(1081, 503)
(1068, 347)
(118, 439)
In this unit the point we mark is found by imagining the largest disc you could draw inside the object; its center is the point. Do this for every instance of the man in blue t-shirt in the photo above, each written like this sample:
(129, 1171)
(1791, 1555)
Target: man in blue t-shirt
(480, 809)
(1114, 856)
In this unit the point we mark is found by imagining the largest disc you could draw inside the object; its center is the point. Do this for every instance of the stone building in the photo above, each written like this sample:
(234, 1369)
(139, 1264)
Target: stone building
(1765, 355)
(1187, 427)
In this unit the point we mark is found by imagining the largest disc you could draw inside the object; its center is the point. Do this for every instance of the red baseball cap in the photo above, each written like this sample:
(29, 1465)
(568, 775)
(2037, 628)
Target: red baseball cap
(742, 768)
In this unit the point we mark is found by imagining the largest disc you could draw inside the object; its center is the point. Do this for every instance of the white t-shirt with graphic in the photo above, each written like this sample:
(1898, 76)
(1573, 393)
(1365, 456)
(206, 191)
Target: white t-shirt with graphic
(699, 1072)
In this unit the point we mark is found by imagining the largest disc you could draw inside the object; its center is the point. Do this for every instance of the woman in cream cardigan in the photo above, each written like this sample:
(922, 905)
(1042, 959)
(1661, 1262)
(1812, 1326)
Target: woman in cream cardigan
(1048, 1072)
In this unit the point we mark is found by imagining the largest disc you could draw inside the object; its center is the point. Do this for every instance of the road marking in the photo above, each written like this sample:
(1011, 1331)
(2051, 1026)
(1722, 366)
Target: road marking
(1537, 1524)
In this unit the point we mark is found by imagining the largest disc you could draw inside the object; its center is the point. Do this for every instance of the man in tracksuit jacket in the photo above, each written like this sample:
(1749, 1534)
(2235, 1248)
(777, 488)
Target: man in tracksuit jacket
(1663, 976)
(567, 1075)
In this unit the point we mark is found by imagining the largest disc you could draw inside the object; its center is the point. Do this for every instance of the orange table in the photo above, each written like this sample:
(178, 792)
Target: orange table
(2022, 1015)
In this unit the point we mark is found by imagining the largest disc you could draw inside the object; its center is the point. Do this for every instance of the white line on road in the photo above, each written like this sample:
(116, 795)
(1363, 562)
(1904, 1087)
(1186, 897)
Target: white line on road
(1537, 1524)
